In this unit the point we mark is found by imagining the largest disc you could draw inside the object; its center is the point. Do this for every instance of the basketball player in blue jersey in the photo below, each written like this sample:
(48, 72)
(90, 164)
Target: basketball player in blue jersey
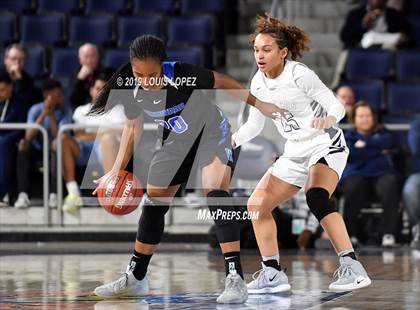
(190, 127)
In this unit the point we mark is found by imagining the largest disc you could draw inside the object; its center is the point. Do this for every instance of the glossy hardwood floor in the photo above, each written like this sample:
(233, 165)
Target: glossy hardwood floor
(192, 280)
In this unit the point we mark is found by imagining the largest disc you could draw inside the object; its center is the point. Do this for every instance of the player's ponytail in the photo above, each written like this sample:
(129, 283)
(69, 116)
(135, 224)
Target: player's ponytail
(143, 47)
(286, 35)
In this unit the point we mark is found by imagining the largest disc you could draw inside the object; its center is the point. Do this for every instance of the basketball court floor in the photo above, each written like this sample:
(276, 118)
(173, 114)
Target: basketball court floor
(192, 279)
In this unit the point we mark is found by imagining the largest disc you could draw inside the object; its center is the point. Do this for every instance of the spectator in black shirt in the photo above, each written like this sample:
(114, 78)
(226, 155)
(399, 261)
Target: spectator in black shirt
(90, 67)
(23, 83)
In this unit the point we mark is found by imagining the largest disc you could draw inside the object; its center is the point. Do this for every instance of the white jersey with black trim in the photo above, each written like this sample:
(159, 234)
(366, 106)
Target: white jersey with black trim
(298, 90)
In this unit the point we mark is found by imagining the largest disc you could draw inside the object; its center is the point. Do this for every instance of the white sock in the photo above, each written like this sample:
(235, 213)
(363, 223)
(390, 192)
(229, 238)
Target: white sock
(276, 257)
(72, 187)
(23, 195)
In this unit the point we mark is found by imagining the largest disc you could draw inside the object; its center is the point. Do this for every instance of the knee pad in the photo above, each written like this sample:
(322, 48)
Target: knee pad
(152, 221)
(227, 227)
(318, 202)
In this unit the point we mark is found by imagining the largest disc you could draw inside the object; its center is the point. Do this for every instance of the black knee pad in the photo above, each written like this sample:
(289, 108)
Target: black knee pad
(227, 227)
(152, 221)
(318, 200)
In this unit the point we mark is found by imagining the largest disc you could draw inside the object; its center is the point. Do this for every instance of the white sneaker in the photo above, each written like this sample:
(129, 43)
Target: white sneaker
(269, 280)
(388, 241)
(415, 243)
(52, 200)
(72, 203)
(23, 201)
(349, 276)
(6, 199)
(235, 290)
(127, 285)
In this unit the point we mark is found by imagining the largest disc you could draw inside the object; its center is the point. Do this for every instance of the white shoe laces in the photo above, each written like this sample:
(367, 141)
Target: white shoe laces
(122, 282)
(342, 271)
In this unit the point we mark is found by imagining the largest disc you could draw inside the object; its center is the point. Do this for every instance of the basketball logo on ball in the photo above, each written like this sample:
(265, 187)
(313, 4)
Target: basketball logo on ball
(120, 193)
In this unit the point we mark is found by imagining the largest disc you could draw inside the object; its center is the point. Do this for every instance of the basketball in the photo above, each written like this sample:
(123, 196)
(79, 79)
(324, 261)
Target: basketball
(120, 193)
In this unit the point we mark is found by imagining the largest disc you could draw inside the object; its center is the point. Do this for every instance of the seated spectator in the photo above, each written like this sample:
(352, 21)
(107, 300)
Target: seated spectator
(369, 170)
(375, 24)
(347, 97)
(11, 111)
(411, 190)
(90, 67)
(50, 114)
(23, 83)
(77, 150)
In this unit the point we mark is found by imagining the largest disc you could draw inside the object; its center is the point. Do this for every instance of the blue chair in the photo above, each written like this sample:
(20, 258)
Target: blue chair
(105, 6)
(7, 26)
(194, 6)
(368, 64)
(370, 91)
(64, 62)
(158, 6)
(397, 119)
(114, 58)
(191, 55)
(16, 6)
(404, 98)
(93, 29)
(131, 27)
(35, 61)
(67, 6)
(414, 23)
(408, 65)
(190, 30)
(46, 29)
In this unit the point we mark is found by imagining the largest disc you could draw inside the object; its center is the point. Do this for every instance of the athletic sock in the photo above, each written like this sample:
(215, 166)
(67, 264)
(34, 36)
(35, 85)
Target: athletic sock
(72, 187)
(233, 262)
(139, 263)
(272, 261)
(349, 253)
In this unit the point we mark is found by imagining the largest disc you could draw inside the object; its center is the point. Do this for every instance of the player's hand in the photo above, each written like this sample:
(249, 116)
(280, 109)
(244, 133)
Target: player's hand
(269, 109)
(370, 18)
(102, 180)
(323, 122)
(304, 239)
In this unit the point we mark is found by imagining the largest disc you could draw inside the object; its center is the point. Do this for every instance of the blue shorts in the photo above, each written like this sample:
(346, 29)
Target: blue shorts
(89, 151)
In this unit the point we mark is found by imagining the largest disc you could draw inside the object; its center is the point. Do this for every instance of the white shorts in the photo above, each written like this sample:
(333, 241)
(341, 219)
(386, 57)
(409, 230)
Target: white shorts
(293, 165)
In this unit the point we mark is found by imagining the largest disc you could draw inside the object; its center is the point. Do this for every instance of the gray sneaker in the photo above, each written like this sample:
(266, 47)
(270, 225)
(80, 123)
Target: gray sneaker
(235, 290)
(349, 276)
(126, 285)
(268, 280)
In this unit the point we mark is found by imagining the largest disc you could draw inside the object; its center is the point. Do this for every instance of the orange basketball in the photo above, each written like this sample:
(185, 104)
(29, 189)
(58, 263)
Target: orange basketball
(120, 193)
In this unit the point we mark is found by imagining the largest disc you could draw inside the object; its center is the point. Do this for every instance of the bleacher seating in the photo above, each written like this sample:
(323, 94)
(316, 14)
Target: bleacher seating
(7, 26)
(35, 61)
(42, 29)
(156, 6)
(404, 98)
(105, 6)
(114, 58)
(94, 29)
(408, 65)
(64, 62)
(191, 55)
(371, 91)
(368, 64)
(129, 27)
(53, 6)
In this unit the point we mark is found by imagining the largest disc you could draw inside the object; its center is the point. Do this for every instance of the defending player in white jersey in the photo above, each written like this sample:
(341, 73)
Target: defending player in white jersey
(314, 157)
